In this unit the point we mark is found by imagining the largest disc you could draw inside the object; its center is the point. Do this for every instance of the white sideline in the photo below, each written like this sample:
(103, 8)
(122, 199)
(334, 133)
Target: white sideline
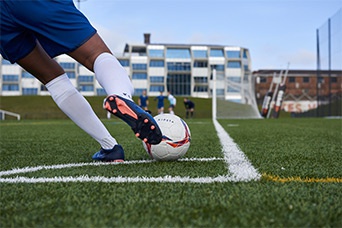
(240, 169)
(238, 165)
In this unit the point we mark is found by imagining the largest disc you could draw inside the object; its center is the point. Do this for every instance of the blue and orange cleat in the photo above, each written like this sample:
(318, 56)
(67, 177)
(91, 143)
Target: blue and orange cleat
(112, 155)
(142, 123)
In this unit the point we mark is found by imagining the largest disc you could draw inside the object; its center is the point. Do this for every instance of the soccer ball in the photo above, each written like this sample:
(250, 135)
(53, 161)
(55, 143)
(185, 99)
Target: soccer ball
(176, 138)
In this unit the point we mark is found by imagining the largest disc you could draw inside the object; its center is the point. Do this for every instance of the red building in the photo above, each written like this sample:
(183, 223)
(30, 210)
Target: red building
(302, 90)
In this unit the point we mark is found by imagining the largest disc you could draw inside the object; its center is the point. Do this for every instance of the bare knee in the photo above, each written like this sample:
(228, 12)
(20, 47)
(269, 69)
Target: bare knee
(89, 51)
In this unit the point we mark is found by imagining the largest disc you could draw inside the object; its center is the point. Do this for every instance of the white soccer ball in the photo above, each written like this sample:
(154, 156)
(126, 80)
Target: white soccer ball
(176, 138)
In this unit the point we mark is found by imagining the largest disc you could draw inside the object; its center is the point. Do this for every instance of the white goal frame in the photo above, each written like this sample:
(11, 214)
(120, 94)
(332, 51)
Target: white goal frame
(3, 114)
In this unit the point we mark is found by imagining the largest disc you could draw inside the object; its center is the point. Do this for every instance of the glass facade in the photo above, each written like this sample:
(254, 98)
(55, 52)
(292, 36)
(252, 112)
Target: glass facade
(185, 70)
(157, 79)
(216, 53)
(178, 53)
(233, 54)
(156, 53)
(139, 76)
(200, 54)
(179, 84)
(157, 63)
(29, 91)
(178, 66)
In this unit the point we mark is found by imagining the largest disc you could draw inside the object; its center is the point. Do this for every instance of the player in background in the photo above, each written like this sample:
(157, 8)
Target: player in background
(173, 103)
(30, 38)
(160, 102)
(143, 101)
(189, 107)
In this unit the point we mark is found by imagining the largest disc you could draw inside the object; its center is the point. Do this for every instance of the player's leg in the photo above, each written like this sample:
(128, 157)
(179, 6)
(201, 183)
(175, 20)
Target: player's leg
(95, 55)
(68, 99)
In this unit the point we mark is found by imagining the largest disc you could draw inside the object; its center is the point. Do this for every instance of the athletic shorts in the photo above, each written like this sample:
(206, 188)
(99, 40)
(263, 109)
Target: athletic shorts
(57, 25)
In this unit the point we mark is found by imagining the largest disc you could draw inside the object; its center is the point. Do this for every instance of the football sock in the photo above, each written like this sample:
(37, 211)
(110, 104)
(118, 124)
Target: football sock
(77, 108)
(112, 76)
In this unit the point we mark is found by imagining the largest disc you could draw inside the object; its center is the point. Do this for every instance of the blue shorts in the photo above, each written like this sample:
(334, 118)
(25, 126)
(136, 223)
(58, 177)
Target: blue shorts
(57, 25)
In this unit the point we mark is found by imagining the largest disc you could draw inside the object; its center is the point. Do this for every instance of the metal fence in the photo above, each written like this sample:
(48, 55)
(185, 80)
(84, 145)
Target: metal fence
(329, 57)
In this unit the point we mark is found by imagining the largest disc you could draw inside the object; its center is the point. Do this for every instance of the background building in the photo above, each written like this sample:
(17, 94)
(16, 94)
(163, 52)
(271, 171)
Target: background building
(303, 88)
(183, 69)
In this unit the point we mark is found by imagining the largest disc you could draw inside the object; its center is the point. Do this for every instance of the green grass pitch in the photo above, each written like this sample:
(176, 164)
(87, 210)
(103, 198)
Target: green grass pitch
(299, 161)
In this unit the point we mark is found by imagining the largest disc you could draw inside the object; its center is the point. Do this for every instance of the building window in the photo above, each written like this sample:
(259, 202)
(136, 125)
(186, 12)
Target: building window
(232, 89)
(306, 79)
(245, 67)
(179, 84)
(233, 54)
(29, 91)
(178, 53)
(234, 64)
(219, 92)
(5, 62)
(139, 76)
(245, 54)
(87, 88)
(216, 53)
(10, 78)
(157, 79)
(10, 87)
(26, 74)
(201, 79)
(178, 66)
(199, 53)
(156, 53)
(124, 62)
(333, 79)
(200, 88)
(263, 79)
(157, 63)
(138, 91)
(235, 79)
(43, 88)
(71, 74)
(67, 65)
(157, 88)
(139, 66)
(292, 79)
(85, 78)
(101, 92)
(201, 64)
(217, 67)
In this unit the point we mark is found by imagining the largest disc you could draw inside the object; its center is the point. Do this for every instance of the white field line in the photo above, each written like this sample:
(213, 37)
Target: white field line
(238, 166)
(71, 165)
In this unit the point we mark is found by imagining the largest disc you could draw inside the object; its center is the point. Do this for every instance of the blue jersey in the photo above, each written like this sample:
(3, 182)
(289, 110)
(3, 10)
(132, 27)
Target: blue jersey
(57, 25)
(160, 101)
(143, 101)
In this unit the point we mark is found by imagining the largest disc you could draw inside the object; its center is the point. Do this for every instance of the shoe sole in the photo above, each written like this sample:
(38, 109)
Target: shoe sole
(141, 122)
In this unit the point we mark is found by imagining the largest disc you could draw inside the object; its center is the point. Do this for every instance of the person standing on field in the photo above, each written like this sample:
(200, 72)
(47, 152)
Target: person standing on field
(34, 32)
(189, 107)
(173, 102)
(143, 101)
(160, 102)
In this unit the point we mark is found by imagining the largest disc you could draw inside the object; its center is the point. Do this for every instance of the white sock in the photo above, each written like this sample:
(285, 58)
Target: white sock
(77, 108)
(112, 76)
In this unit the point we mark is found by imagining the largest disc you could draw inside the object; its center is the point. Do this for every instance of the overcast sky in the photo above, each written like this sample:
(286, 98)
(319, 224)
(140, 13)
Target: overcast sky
(275, 31)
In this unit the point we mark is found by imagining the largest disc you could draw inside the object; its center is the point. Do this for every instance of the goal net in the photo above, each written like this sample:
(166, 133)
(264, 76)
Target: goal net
(241, 104)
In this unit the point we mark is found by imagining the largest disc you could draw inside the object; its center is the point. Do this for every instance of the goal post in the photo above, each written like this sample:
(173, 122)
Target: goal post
(236, 99)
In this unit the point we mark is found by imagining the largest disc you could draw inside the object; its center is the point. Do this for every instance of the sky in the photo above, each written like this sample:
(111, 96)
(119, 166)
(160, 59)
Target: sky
(276, 32)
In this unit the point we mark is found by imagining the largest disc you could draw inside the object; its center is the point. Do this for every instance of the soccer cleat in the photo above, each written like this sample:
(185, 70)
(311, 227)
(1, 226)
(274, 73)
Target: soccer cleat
(112, 155)
(142, 123)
